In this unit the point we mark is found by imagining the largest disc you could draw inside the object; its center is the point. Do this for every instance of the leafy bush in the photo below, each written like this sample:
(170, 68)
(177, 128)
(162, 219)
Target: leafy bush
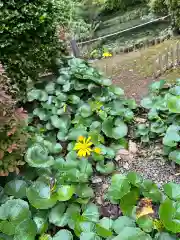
(158, 6)
(41, 209)
(163, 117)
(29, 44)
(80, 102)
(12, 137)
(173, 6)
(121, 4)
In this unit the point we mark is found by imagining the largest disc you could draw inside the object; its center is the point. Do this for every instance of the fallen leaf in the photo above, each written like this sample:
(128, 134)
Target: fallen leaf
(144, 208)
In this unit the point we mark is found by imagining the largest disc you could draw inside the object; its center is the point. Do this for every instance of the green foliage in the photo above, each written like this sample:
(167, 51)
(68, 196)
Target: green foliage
(158, 7)
(173, 7)
(12, 136)
(22, 219)
(80, 102)
(121, 4)
(163, 118)
(29, 44)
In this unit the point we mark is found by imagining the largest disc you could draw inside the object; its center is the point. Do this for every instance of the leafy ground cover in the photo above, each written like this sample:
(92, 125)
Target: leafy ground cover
(79, 125)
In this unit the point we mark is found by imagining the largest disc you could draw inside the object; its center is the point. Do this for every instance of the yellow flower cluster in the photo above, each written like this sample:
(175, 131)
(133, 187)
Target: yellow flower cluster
(107, 54)
(84, 147)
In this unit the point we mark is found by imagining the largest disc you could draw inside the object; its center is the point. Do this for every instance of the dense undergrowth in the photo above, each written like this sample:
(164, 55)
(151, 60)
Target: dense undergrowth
(78, 123)
(163, 118)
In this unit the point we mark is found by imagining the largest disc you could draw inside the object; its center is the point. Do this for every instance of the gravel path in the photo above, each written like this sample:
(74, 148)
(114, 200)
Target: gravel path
(150, 163)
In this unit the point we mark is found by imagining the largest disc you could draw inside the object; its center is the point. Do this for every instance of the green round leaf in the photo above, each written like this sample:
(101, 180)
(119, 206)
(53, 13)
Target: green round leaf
(5, 237)
(175, 156)
(40, 218)
(145, 223)
(172, 136)
(89, 236)
(65, 192)
(37, 156)
(57, 215)
(169, 213)
(151, 190)
(147, 103)
(63, 235)
(120, 131)
(173, 103)
(60, 123)
(40, 196)
(85, 110)
(75, 133)
(14, 210)
(172, 190)
(16, 188)
(84, 191)
(107, 126)
(7, 228)
(91, 213)
(132, 233)
(107, 168)
(74, 99)
(103, 228)
(50, 87)
(135, 179)
(128, 202)
(26, 228)
(164, 236)
(122, 222)
(156, 86)
(119, 186)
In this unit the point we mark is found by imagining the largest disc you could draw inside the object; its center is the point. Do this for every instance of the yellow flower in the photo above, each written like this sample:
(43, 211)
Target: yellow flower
(83, 146)
(107, 54)
(97, 150)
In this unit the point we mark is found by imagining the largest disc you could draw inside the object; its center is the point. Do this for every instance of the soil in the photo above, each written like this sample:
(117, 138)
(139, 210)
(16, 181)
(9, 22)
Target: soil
(134, 85)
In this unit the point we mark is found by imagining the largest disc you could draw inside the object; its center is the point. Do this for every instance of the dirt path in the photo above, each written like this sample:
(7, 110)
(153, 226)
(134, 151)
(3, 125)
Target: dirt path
(134, 85)
(134, 71)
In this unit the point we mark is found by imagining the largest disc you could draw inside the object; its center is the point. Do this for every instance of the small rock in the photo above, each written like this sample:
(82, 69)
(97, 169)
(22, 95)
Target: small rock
(96, 180)
(132, 147)
(99, 200)
(126, 166)
(140, 120)
(124, 155)
(105, 186)
(171, 178)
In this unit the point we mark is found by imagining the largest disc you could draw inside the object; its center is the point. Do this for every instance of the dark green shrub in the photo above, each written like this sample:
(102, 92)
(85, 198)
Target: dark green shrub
(28, 43)
(174, 10)
(121, 4)
(158, 6)
(163, 119)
